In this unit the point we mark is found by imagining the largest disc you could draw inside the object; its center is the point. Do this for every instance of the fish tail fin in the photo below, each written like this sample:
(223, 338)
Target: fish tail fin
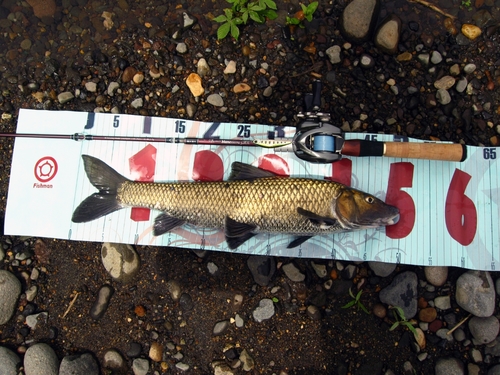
(107, 181)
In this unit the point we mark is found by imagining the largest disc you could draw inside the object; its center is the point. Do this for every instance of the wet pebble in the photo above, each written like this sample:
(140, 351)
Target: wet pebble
(469, 68)
(40, 359)
(358, 19)
(427, 314)
(436, 275)
(461, 84)
(333, 54)
(262, 268)
(203, 69)
(442, 302)
(102, 302)
(10, 290)
(241, 87)
(216, 100)
(137, 103)
(140, 366)
(264, 311)
(221, 327)
(193, 81)
(247, 360)
(436, 57)
(113, 360)
(9, 362)
(65, 97)
(33, 320)
(293, 273)
(112, 87)
(91, 86)
(445, 83)
(475, 293)
(382, 269)
(319, 269)
(443, 96)
(484, 330)
(387, 34)
(181, 48)
(313, 312)
(80, 364)
(449, 366)
(121, 261)
(470, 31)
(134, 349)
(230, 68)
(156, 352)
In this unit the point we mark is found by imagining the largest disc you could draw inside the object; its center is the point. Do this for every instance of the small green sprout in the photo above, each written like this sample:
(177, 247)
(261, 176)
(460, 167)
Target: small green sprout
(305, 13)
(240, 12)
(356, 300)
(400, 318)
(466, 4)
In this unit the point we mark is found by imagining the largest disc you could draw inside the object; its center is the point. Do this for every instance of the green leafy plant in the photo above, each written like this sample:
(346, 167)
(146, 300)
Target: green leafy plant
(275, 299)
(305, 13)
(400, 318)
(466, 4)
(241, 12)
(356, 300)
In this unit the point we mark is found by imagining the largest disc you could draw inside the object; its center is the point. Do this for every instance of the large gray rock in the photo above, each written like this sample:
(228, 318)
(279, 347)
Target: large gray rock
(449, 366)
(358, 20)
(387, 35)
(262, 268)
(475, 293)
(9, 362)
(484, 330)
(10, 290)
(40, 359)
(382, 269)
(402, 292)
(80, 364)
(120, 260)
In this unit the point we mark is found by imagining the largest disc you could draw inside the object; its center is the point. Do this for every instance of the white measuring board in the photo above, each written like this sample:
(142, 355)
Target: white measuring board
(449, 210)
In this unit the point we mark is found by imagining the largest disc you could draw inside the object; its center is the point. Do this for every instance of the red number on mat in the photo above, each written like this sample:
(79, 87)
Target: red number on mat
(460, 212)
(341, 171)
(142, 167)
(401, 176)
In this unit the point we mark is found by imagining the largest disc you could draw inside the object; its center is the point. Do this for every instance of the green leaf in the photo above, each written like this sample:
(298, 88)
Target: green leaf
(349, 304)
(304, 8)
(223, 30)
(244, 17)
(270, 4)
(229, 13)
(235, 32)
(311, 8)
(412, 329)
(271, 14)
(275, 300)
(363, 308)
(351, 294)
(358, 296)
(292, 21)
(220, 19)
(394, 326)
(256, 17)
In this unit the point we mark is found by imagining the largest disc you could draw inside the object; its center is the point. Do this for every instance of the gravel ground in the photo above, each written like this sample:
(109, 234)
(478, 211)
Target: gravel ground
(200, 313)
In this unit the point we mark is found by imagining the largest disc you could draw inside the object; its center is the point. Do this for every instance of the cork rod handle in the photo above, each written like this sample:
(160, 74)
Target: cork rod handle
(428, 151)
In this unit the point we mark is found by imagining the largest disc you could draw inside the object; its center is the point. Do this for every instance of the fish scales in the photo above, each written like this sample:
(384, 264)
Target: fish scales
(268, 203)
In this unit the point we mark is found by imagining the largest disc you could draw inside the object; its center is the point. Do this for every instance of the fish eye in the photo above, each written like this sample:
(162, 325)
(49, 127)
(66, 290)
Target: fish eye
(370, 199)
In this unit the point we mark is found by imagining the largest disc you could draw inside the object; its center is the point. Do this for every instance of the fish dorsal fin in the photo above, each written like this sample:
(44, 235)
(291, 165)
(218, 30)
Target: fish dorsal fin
(320, 221)
(298, 241)
(165, 223)
(242, 171)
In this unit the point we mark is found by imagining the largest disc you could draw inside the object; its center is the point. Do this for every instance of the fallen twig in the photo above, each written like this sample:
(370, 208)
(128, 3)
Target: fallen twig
(71, 304)
(433, 7)
(458, 324)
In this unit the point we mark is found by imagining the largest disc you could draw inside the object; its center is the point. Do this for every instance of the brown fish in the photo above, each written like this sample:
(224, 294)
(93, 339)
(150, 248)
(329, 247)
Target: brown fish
(251, 201)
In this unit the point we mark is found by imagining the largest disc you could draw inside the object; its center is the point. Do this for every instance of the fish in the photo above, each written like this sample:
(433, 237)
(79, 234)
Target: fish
(250, 202)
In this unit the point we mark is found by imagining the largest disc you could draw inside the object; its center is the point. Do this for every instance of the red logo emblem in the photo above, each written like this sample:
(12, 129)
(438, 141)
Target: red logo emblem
(45, 169)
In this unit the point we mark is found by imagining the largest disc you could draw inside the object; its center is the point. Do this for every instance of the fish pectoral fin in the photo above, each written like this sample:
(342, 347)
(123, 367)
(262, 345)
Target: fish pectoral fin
(165, 223)
(237, 233)
(315, 219)
(234, 242)
(242, 171)
(298, 241)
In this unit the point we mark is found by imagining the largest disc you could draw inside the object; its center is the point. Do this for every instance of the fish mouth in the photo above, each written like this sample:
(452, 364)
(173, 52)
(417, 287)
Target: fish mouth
(392, 220)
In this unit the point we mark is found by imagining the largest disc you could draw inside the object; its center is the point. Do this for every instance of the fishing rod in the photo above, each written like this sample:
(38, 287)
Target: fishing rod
(316, 140)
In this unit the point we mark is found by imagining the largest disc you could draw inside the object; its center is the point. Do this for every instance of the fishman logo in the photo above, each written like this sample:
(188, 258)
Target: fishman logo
(45, 170)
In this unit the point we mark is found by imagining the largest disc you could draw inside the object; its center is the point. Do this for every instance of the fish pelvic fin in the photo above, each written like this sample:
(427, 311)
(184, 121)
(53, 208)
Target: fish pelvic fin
(165, 223)
(237, 233)
(107, 181)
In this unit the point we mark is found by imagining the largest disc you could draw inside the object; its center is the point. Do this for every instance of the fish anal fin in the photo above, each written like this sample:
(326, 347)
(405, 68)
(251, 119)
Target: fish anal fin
(165, 223)
(234, 242)
(242, 171)
(316, 219)
(233, 228)
(298, 241)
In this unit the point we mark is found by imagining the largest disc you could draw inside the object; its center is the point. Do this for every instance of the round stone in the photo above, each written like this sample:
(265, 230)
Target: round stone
(120, 260)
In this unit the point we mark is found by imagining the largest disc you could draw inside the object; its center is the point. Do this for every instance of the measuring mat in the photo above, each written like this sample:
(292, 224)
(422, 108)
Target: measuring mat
(449, 210)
